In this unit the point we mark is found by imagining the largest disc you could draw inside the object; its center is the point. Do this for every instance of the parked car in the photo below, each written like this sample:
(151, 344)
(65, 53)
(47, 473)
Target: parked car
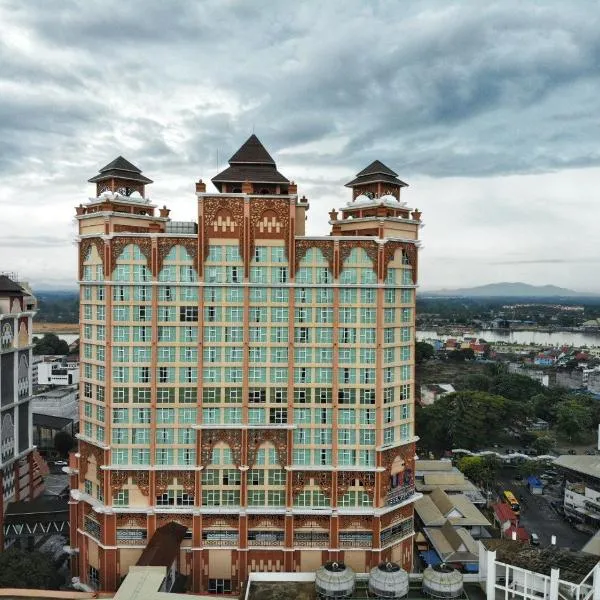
(534, 539)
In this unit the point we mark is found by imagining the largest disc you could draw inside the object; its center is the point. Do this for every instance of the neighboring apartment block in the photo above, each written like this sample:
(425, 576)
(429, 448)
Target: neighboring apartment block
(244, 379)
(20, 476)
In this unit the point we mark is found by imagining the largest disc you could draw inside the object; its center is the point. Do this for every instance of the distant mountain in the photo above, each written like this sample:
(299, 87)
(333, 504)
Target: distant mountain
(506, 289)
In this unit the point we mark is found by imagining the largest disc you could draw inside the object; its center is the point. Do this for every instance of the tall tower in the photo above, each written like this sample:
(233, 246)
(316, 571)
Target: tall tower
(245, 380)
(20, 465)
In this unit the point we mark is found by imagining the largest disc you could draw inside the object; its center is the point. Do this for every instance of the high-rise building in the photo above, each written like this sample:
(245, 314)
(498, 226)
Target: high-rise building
(20, 465)
(248, 381)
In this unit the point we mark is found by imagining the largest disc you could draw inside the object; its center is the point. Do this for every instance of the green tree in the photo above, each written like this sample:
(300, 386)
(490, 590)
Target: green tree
(63, 442)
(423, 352)
(519, 388)
(544, 443)
(20, 569)
(51, 344)
(574, 418)
(477, 382)
(482, 470)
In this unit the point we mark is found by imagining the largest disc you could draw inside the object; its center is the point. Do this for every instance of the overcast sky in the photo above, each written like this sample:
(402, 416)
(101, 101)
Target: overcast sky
(489, 110)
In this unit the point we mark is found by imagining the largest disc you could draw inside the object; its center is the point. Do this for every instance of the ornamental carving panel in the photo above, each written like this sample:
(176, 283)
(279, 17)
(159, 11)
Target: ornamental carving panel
(399, 472)
(118, 244)
(346, 480)
(142, 480)
(187, 480)
(162, 520)
(133, 520)
(356, 522)
(312, 522)
(411, 253)
(162, 480)
(266, 522)
(86, 450)
(299, 480)
(118, 479)
(370, 247)
(231, 437)
(222, 218)
(277, 437)
(84, 248)
(323, 480)
(166, 244)
(220, 522)
(269, 219)
(303, 246)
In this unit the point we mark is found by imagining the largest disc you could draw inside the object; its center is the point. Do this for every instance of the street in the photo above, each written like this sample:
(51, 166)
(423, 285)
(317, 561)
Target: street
(538, 516)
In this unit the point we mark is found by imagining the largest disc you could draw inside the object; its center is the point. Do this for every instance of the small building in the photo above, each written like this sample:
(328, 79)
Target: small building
(454, 545)
(58, 402)
(504, 517)
(516, 533)
(535, 485)
(45, 427)
(432, 392)
(443, 475)
(437, 508)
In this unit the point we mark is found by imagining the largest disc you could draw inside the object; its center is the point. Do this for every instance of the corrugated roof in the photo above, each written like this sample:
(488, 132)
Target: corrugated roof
(442, 501)
(574, 566)
(433, 465)
(587, 465)
(453, 544)
(457, 509)
(452, 478)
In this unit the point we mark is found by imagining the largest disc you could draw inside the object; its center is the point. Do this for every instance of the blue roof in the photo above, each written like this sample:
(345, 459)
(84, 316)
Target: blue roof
(534, 481)
(431, 557)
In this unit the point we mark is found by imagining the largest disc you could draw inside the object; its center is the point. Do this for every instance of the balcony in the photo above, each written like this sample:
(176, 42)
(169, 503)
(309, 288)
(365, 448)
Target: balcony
(399, 494)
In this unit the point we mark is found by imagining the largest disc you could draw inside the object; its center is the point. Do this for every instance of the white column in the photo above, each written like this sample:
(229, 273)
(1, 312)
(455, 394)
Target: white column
(554, 575)
(490, 582)
(596, 583)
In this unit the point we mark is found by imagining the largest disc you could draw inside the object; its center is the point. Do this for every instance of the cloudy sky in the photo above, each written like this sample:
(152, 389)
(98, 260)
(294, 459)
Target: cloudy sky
(489, 110)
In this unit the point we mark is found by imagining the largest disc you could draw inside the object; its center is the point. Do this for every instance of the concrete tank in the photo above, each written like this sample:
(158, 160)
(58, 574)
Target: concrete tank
(334, 580)
(442, 581)
(388, 580)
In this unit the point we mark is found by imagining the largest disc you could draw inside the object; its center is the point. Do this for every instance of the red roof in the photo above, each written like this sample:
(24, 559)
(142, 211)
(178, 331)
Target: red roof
(504, 513)
(522, 535)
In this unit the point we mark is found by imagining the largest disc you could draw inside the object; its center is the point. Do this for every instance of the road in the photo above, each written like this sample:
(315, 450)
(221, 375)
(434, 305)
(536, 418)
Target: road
(538, 516)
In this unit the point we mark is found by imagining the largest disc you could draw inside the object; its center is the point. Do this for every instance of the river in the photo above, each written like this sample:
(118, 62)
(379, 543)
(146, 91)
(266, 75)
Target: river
(541, 338)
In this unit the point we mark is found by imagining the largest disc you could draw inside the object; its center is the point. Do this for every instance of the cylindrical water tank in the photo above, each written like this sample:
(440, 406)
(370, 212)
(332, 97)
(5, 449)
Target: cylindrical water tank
(388, 580)
(442, 581)
(334, 580)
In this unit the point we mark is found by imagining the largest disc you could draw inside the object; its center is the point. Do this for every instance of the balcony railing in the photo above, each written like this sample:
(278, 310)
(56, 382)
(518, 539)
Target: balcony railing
(399, 494)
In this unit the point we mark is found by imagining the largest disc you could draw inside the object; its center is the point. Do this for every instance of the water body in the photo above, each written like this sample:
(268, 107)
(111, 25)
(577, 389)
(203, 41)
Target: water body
(556, 338)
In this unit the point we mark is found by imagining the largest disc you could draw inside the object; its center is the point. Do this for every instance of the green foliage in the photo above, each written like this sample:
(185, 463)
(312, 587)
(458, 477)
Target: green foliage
(480, 469)
(519, 388)
(63, 443)
(423, 351)
(20, 569)
(544, 443)
(477, 382)
(462, 420)
(50, 344)
(574, 417)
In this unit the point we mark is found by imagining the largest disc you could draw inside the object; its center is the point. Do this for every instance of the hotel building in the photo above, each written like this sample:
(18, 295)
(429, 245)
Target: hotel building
(241, 378)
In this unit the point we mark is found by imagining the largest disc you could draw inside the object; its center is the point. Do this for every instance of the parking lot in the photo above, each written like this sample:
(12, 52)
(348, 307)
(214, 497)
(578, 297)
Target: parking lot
(538, 515)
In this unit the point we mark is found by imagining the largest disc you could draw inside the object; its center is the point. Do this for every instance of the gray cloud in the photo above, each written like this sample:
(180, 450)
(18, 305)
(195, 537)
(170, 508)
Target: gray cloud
(462, 94)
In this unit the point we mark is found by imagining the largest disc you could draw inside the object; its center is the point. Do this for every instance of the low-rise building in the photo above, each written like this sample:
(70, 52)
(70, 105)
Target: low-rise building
(57, 370)
(582, 487)
(432, 392)
(442, 474)
(62, 401)
(437, 508)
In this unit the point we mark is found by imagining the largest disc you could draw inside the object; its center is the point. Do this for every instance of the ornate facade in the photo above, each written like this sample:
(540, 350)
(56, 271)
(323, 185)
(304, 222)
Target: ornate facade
(243, 379)
(20, 465)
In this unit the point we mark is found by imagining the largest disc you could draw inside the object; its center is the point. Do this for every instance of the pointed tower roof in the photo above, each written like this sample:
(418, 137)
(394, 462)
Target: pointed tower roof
(252, 152)
(377, 167)
(376, 172)
(120, 168)
(250, 163)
